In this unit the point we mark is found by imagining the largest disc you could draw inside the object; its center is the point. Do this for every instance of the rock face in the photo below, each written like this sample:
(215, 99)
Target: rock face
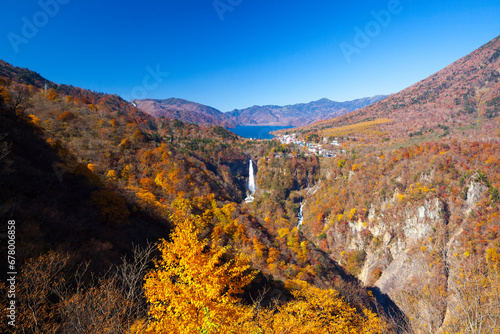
(397, 238)
(476, 189)
(408, 248)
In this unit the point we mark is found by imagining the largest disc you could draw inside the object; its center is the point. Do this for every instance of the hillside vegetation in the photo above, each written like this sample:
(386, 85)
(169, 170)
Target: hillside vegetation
(94, 185)
(127, 223)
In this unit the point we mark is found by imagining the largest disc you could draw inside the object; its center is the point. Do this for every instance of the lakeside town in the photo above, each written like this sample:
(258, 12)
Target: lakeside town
(320, 149)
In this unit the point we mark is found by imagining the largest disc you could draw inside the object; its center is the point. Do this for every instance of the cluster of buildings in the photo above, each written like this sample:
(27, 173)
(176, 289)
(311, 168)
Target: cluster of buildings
(312, 148)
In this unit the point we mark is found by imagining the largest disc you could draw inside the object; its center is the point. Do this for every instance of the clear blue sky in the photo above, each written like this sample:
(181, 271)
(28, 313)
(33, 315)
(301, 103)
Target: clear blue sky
(248, 52)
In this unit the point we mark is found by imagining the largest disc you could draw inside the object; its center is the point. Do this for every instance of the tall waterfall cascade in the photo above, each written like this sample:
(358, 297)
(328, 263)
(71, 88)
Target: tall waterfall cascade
(300, 216)
(251, 178)
(251, 183)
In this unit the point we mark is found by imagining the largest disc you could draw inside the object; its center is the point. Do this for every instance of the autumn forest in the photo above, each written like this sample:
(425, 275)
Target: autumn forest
(131, 223)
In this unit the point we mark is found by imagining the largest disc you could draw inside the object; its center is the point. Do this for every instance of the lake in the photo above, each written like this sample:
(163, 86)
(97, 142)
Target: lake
(257, 131)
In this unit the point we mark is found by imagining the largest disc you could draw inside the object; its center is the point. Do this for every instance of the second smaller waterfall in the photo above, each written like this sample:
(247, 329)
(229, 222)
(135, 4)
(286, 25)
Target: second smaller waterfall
(300, 216)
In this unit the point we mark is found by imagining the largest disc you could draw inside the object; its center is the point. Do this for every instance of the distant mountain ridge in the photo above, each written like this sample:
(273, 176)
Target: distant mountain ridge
(301, 113)
(291, 115)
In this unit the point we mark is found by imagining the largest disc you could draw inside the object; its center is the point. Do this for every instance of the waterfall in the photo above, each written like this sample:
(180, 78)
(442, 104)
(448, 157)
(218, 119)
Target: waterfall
(251, 183)
(251, 179)
(300, 216)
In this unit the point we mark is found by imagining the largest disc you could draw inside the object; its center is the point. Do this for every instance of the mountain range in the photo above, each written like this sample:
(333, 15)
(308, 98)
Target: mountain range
(299, 114)
(269, 115)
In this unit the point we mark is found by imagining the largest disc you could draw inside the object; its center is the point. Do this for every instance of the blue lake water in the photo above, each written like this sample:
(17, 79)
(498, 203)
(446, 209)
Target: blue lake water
(257, 132)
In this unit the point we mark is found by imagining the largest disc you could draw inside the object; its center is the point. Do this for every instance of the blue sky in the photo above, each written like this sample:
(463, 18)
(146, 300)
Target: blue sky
(238, 53)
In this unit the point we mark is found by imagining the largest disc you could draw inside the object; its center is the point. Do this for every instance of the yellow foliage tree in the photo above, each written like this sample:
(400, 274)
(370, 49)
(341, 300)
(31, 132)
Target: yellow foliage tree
(258, 248)
(304, 251)
(195, 284)
(112, 176)
(313, 311)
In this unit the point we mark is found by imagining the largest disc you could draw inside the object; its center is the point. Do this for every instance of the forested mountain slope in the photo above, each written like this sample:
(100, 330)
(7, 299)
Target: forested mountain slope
(410, 202)
(185, 111)
(460, 101)
(86, 176)
(401, 218)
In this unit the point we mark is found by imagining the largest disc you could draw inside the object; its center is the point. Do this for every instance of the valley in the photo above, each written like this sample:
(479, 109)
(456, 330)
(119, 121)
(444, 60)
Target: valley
(376, 216)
